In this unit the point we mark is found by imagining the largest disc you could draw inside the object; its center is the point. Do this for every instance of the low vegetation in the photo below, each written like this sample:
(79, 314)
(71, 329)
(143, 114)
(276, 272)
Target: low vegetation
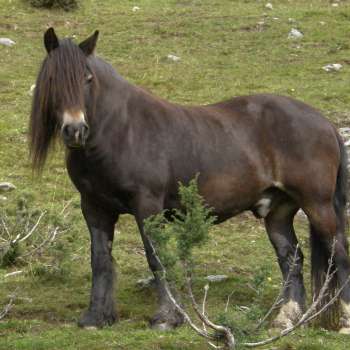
(64, 4)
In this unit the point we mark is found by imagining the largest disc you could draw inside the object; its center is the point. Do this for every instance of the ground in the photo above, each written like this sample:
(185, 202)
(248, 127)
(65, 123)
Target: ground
(226, 48)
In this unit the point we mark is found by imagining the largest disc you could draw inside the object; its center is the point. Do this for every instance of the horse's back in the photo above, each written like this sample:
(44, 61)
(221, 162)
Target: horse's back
(282, 143)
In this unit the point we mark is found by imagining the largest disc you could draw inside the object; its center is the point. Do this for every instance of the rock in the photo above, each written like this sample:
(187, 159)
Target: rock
(216, 278)
(6, 187)
(7, 42)
(3, 198)
(269, 6)
(295, 34)
(135, 9)
(333, 67)
(173, 58)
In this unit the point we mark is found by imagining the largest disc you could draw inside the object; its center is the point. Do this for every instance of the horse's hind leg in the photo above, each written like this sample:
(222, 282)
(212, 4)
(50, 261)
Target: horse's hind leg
(279, 226)
(326, 225)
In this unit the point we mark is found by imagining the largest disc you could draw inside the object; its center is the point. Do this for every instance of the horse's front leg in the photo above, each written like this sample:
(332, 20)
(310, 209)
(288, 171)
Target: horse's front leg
(102, 309)
(166, 316)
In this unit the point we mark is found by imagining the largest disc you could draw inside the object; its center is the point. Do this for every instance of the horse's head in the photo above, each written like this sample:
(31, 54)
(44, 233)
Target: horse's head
(64, 95)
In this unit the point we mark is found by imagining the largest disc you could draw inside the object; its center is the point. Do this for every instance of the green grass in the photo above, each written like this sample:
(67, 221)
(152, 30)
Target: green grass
(224, 52)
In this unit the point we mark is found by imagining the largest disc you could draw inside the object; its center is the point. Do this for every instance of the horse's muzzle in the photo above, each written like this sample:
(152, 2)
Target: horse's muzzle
(75, 134)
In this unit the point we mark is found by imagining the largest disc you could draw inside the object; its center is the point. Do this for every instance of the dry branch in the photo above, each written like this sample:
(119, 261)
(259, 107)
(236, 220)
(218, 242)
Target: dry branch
(9, 305)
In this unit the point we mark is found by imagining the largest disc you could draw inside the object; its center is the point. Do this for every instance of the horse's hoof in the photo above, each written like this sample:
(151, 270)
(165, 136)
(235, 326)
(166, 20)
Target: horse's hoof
(345, 330)
(162, 326)
(166, 320)
(92, 320)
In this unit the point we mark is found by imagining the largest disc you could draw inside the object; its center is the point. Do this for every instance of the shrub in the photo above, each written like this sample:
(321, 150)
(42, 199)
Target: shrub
(175, 239)
(64, 4)
(28, 234)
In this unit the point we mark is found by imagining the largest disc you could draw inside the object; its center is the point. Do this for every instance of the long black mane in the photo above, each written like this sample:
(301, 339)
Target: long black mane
(60, 82)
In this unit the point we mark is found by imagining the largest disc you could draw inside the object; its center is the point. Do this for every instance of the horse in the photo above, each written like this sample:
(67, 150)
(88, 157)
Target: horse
(127, 150)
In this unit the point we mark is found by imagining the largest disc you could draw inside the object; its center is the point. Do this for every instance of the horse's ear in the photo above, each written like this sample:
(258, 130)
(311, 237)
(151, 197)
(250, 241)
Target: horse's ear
(88, 45)
(50, 40)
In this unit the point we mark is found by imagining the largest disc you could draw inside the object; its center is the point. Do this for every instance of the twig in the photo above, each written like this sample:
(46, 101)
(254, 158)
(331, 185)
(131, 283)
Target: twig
(8, 307)
(206, 288)
(228, 301)
(230, 340)
(32, 230)
(5, 227)
(14, 273)
(66, 206)
(49, 239)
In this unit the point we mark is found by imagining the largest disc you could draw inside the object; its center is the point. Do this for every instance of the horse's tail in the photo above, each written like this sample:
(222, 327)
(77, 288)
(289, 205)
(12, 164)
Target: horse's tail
(341, 190)
(321, 253)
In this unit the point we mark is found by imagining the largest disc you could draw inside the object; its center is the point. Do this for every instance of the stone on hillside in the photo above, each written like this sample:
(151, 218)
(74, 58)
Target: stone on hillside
(173, 58)
(6, 186)
(7, 42)
(295, 34)
(333, 67)
(269, 6)
(216, 278)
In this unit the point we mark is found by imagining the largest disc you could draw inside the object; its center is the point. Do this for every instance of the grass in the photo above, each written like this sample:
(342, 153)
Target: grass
(227, 48)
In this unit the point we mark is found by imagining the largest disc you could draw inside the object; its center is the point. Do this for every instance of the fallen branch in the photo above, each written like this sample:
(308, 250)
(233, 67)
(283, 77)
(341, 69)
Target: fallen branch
(8, 307)
(32, 230)
(50, 238)
(225, 331)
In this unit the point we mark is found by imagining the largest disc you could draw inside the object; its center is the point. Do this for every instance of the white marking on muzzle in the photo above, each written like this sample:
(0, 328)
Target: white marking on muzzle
(76, 117)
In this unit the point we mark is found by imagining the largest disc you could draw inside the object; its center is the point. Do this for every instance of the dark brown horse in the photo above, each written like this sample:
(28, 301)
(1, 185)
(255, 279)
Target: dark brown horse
(127, 150)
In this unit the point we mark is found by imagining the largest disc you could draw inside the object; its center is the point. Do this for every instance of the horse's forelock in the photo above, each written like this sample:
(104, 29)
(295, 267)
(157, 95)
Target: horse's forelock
(59, 84)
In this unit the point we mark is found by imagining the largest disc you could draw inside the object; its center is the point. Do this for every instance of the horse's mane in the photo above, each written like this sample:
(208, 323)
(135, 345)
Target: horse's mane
(59, 83)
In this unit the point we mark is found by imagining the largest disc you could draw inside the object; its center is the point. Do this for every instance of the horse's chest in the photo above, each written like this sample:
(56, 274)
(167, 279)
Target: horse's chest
(94, 184)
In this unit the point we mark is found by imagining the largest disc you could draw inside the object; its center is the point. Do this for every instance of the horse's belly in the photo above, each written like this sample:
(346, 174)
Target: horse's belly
(229, 195)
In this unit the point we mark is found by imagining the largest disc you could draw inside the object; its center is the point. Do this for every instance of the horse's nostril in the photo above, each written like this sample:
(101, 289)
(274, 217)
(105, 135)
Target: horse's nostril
(66, 131)
(86, 130)
(75, 133)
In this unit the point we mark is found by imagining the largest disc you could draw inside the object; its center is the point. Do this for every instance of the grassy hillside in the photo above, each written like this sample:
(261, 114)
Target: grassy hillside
(227, 48)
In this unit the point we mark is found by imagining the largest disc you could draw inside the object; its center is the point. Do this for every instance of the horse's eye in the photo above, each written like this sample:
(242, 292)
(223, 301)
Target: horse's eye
(89, 78)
